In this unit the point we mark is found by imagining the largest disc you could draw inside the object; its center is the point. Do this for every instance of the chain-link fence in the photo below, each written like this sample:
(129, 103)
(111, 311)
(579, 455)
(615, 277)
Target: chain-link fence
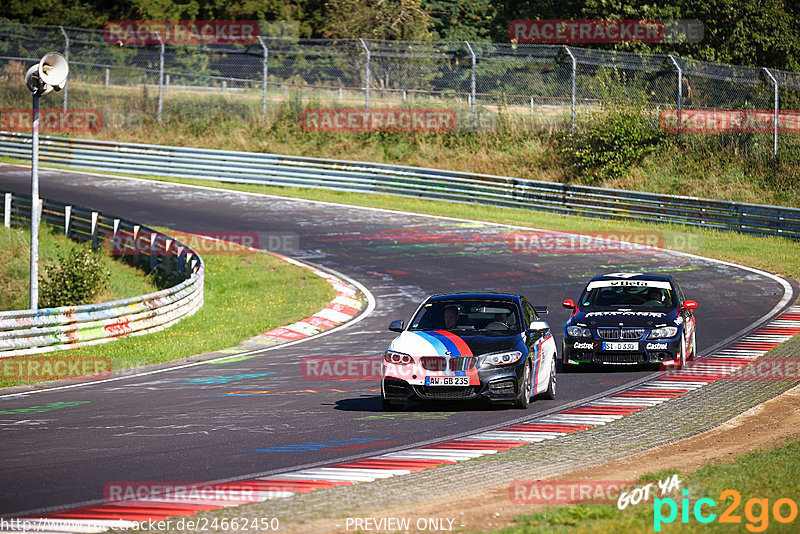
(533, 86)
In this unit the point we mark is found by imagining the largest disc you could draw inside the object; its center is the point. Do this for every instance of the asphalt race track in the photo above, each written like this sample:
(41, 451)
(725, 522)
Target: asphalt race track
(186, 425)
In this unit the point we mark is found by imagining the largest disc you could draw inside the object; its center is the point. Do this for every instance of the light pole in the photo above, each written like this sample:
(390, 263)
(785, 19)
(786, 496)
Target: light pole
(48, 75)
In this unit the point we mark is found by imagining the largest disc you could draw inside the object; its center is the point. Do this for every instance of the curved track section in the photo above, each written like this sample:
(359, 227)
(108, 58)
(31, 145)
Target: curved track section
(260, 415)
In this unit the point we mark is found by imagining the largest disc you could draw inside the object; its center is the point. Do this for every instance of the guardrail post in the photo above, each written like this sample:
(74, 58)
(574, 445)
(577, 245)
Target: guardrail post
(153, 257)
(7, 211)
(572, 98)
(66, 56)
(775, 117)
(366, 74)
(472, 84)
(181, 260)
(680, 93)
(95, 215)
(160, 75)
(67, 219)
(264, 75)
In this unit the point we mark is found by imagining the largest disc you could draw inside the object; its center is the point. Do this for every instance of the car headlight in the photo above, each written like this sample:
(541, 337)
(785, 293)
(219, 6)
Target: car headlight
(578, 331)
(397, 358)
(502, 358)
(663, 332)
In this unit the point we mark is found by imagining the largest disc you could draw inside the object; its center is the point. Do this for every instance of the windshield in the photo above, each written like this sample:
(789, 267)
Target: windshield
(646, 296)
(485, 316)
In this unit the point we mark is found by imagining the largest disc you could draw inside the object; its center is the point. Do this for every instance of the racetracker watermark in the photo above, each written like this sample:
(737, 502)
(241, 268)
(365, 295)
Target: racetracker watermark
(566, 491)
(728, 121)
(210, 243)
(122, 32)
(231, 493)
(765, 370)
(53, 367)
(353, 120)
(52, 120)
(593, 243)
(560, 31)
(338, 368)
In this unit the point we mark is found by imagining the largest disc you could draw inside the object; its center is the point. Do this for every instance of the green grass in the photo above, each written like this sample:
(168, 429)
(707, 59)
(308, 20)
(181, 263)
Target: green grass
(245, 295)
(765, 474)
(125, 281)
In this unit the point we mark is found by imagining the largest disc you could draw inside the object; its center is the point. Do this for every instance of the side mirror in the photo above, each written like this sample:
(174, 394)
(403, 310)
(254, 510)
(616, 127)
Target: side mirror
(541, 310)
(397, 326)
(569, 304)
(539, 326)
(689, 305)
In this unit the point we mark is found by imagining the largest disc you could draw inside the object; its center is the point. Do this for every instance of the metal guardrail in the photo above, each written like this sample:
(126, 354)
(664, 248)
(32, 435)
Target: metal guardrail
(295, 171)
(52, 329)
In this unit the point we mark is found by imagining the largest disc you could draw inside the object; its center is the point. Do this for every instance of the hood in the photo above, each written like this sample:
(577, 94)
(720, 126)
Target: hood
(632, 318)
(440, 342)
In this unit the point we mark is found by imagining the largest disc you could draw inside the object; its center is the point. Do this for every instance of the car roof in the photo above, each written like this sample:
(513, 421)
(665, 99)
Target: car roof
(633, 276)
(482, 295)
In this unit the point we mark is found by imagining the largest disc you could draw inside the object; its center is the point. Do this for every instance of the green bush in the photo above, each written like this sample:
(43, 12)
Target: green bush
(74, 279)
(609, 144)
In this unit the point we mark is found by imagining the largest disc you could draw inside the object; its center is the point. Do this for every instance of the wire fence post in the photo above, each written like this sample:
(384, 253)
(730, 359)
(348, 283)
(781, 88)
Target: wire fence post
(472, 86)
(679, 96)
(572, 92)
(264, 78)
(160, 76)
(66, 56)
(775, 117)
(366, 74)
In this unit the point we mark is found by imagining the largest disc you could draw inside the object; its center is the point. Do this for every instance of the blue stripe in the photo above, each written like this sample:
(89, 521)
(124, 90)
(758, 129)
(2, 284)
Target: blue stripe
(437, 344)
(446, 341)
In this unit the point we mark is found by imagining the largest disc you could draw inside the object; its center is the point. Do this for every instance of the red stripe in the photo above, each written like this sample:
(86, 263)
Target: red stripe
(477, 445)
(548, 427)
(655, 393)
(342, 308)
(320, 322)
(463, 348)
(603, 410)
(379, 463)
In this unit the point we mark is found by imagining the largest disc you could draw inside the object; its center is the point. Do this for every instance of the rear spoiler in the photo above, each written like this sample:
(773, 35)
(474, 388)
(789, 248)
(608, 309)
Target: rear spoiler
(541, 310)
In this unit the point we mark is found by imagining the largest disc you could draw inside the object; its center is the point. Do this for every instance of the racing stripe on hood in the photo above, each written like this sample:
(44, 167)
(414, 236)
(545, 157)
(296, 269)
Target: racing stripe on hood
(435, 341)
(460, 346)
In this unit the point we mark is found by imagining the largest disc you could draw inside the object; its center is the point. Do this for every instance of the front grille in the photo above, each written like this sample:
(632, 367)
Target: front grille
(437, 363)
(433, 363)
(608, 333)
(632, 333)
(462, 363)
(444, 392)
(624, 357)
(620, 333)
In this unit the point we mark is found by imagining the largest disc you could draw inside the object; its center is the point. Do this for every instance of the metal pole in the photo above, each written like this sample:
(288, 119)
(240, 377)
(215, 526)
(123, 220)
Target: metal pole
(680, 93)
(108, 73)
(775, 116)
(34, 301)
(574, 75)
(472, 86)
(66, 56)
(264, 78)
(160, 76)
(366, 74)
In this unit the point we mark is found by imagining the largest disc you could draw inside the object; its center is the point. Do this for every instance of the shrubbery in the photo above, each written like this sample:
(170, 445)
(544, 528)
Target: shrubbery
(609, 144)
(76, 278)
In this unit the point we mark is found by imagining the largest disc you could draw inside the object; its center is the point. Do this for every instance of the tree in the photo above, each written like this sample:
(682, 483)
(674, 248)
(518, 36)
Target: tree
(403, 20)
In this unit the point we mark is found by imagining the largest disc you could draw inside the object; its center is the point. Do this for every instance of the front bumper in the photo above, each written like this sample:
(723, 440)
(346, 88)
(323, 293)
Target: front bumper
(497, 384)
(647, 351)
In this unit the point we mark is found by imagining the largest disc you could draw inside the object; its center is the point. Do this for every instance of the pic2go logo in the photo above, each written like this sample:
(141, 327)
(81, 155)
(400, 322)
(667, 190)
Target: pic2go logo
(756, 511)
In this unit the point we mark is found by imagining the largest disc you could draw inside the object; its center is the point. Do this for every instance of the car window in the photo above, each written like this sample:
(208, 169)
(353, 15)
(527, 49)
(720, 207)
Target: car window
(474, 315)
(629, 296)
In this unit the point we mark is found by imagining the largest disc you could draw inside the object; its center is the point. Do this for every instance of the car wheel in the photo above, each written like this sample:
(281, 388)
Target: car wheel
(682, 359)
(551, 384)
(524, 397)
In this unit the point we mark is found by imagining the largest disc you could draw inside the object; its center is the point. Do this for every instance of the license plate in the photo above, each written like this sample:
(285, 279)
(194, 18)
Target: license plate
(611, 345)
(446, 380)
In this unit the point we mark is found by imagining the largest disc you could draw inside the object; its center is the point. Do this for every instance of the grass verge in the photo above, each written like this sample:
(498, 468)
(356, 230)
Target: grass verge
(15, 244)
(245, 295)
(754, 512)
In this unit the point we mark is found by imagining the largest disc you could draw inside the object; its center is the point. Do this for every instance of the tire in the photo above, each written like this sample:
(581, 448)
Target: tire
(524, 396)
(550, 394)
